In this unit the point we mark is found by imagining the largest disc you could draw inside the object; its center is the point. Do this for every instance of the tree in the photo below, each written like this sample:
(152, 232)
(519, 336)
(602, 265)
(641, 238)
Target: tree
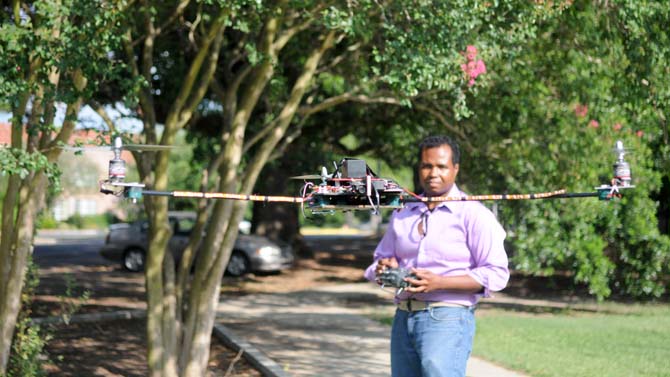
(546, 116)
(47, 58)
(374, 89)
(268, 68)
(156, 34)
(593, 75)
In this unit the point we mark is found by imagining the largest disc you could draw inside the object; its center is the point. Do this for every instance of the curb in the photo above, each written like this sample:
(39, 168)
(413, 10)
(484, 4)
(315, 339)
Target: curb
(259, 360)
(54, 236)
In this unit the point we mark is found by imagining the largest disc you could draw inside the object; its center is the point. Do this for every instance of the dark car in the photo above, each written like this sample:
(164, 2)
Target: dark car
(128, 242)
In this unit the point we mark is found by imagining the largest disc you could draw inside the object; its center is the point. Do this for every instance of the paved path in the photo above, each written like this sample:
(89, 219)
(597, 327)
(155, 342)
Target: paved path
(324, 332)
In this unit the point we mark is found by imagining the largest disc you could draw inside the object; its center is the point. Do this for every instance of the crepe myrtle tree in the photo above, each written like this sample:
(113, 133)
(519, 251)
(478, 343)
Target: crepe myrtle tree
(594, 74)
(410, 64)
(53, 52)
(547, 117)
(245, 76)
(186, 36)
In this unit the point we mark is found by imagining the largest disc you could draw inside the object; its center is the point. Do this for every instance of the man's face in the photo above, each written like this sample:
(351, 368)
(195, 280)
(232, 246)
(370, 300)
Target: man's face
(437, 172)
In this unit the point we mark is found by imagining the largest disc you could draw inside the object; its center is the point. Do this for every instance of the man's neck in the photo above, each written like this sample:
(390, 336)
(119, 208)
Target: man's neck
(431, 205)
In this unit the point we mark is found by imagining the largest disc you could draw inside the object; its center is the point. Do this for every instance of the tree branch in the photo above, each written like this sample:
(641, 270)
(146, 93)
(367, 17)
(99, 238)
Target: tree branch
(103, 114)
(389, 100)
(148, 114)
(205, 78)
(286, 141)
(287, 34)
(440, 117)
(177, 12)
(149, 41)
(288, 112)
(338, 59)
(172, 121)
(260, 135)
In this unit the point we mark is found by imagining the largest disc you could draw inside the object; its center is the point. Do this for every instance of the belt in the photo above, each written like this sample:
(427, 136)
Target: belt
(415, 305)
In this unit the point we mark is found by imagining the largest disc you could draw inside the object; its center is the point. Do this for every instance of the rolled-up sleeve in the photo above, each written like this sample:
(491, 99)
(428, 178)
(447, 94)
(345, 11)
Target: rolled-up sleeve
(486, 242)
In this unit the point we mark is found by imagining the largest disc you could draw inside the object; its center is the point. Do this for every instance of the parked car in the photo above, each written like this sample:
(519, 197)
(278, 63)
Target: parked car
(128, 243)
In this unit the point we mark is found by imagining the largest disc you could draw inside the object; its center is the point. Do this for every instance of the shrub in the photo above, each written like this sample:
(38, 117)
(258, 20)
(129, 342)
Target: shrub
(27, 355)
(28, 344)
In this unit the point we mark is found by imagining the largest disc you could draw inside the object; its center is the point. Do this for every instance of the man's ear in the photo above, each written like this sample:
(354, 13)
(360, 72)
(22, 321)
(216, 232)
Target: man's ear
(456, 167)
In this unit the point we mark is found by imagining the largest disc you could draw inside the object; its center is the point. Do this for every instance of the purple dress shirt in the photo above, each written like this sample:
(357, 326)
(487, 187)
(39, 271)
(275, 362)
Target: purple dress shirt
(460, 238)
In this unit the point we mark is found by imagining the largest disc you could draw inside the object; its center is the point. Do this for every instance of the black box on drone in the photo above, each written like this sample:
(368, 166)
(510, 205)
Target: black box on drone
(352, 168)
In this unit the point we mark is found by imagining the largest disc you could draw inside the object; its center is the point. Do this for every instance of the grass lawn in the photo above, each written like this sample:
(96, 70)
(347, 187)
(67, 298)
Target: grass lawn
(624, 341)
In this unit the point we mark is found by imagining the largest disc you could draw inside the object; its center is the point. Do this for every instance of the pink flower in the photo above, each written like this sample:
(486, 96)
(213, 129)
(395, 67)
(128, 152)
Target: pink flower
(594, 123)
(472, 68)
(480, 68)
(581, 110)
(639, 133)
(617, 126)
(471, 52)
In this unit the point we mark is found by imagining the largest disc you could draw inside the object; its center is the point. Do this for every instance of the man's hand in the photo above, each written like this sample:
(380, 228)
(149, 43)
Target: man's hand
(425, 281)
(383, 264)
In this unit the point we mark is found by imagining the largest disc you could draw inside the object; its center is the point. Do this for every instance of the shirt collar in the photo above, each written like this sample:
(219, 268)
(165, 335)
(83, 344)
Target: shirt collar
(450, 206)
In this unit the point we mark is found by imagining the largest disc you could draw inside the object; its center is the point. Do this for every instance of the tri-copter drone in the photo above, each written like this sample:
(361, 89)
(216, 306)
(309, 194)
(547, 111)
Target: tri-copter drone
(352, 186)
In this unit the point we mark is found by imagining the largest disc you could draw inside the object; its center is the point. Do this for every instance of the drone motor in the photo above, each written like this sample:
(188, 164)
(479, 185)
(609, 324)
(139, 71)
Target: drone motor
(117, 170)
(622, 176)
(117, 167)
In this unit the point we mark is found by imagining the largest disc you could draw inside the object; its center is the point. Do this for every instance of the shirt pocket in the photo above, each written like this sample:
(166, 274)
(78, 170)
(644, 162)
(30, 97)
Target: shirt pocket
(446, 314)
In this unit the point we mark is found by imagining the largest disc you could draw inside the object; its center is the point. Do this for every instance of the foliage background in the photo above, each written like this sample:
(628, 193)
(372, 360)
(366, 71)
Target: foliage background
(550, 117)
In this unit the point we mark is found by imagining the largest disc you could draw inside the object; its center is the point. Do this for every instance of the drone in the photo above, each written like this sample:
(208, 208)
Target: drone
(351, 186)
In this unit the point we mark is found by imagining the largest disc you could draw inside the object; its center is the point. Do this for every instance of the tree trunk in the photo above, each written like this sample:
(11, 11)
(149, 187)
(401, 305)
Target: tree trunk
(21, 206)
(277, 221)
(30, 197)
(209, 271)
(163, 301)
(227, 214)
(160, 356)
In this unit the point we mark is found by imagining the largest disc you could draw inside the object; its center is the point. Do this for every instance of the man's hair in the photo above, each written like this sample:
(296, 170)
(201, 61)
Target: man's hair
(437, 141)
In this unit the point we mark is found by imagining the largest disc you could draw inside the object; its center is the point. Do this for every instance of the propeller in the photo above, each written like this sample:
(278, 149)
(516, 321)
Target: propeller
(324, 175)
(118, 145)
(307, 176)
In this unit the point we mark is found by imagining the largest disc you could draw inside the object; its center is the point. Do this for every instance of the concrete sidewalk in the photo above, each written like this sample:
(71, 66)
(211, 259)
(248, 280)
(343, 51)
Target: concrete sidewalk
(323, 332)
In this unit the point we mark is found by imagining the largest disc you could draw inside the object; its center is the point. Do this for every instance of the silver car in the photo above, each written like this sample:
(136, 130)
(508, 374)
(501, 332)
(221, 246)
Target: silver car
(128, 242)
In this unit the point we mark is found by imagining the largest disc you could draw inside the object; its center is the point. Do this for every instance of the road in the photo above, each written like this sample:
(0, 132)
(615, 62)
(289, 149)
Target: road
(81, 248)
(63, 254)
(54, 249)
(76, 253)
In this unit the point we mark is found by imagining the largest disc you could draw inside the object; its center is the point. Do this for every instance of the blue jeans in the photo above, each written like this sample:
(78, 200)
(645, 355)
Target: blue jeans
(431, 343)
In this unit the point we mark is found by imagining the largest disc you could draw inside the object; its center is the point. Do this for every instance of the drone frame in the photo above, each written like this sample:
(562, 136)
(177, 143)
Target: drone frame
(354, 186)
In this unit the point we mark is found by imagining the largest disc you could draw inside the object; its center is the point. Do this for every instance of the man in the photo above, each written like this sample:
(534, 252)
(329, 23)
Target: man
(456, 251)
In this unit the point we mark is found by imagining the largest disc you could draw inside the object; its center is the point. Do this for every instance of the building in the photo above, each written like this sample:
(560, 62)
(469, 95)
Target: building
(80, 178)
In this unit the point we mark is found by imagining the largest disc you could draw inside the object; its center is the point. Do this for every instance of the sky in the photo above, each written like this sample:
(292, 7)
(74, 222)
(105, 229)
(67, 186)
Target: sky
(89, 119)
